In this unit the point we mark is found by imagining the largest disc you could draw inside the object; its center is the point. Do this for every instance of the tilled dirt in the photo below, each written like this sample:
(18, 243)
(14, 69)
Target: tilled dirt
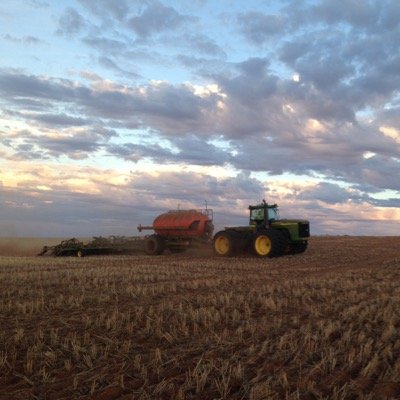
(323, 324)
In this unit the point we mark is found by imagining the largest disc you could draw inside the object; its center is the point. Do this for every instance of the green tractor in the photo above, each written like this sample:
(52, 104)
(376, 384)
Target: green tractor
(266, 236)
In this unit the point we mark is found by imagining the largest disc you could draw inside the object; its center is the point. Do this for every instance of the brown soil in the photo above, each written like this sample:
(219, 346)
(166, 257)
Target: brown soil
(323, 324)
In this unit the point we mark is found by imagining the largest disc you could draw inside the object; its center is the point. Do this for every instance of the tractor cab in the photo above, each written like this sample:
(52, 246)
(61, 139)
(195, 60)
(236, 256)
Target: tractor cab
(263, 214)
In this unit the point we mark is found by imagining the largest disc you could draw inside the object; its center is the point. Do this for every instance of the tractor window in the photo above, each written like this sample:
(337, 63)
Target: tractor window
(273, 214)
(257, 214)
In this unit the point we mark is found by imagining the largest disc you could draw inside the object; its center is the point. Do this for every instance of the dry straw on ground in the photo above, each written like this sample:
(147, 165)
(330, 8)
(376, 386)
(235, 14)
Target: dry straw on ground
(321, 325)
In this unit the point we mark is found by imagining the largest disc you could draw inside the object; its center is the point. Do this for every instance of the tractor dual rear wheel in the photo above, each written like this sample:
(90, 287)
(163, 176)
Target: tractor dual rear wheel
(227, 243)
(269, 243)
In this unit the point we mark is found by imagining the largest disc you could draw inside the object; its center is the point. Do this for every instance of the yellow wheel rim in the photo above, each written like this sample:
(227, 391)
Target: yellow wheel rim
(222, 245)
(262, 245)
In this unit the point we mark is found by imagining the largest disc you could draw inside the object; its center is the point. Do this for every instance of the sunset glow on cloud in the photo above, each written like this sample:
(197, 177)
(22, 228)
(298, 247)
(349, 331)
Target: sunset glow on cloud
(113, 112)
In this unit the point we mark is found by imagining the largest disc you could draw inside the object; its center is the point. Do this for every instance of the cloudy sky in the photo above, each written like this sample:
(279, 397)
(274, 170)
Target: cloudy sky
(114, 111)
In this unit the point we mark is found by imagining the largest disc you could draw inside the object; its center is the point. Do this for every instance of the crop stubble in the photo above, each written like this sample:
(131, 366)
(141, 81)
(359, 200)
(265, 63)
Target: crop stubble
(321, 325)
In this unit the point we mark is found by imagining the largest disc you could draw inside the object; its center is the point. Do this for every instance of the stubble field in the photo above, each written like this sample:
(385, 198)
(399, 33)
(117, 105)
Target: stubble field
(321, 325)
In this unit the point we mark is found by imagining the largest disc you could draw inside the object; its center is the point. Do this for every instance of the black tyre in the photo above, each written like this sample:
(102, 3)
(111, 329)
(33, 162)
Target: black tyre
(226, 243)
(154, 245)
(298, 248)
(80, 253)
(269, 243)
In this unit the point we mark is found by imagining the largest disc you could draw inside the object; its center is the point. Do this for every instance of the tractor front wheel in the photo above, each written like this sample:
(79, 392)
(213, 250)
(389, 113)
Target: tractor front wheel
(269, 243)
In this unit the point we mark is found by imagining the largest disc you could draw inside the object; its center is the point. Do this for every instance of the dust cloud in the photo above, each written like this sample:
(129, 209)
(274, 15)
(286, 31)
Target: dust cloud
(12, 246)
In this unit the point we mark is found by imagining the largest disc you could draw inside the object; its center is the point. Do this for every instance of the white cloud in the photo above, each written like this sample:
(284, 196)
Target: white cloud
(299, 103)
(391, 132)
